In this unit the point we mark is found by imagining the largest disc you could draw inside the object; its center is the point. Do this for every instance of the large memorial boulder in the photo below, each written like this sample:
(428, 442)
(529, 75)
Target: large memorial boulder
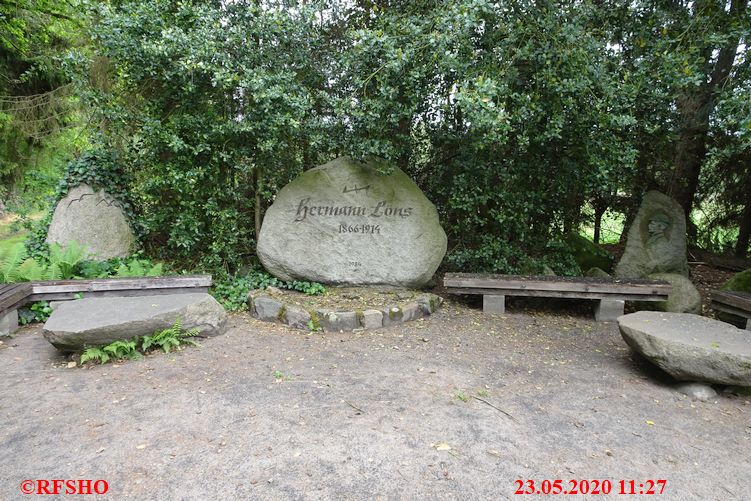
(656, 240)
(656, 248)
(74, 325)
(690, 347)
(346, 223)
(94, 219)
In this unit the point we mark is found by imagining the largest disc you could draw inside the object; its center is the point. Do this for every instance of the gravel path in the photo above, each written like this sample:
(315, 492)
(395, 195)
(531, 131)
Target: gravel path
(372, 415)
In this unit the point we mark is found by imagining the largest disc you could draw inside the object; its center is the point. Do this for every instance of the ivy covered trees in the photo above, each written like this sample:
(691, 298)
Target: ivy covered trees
(518, 119)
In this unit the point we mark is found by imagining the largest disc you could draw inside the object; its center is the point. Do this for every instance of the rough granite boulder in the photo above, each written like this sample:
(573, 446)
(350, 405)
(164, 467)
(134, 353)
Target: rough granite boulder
(597, 273)
(690, 347)
(740, 282)
(588, 254)
(656, 240)
(74, 325)
(683, 298)
(346, 223)
(93, 219)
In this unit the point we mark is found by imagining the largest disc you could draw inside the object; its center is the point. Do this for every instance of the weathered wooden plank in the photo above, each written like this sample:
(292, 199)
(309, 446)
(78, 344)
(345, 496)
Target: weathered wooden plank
(739, 300)
(12, 294)
(63, 296)
(122, 284)
(550, 278)
(745, 313)
(661, 296)
(567, 286)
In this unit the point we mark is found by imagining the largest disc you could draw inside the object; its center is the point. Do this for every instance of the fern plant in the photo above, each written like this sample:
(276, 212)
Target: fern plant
(31, 270)
(169, 338)
(117, 350)
(122, 350)
(68, 258)
(10, 260)
(96, 354)
(139, 268)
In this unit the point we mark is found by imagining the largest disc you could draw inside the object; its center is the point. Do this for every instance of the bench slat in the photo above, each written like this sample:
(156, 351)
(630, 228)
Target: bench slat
(513, 285)
(62, 296)
(619, 296)
(13, 294)
(735, 299)
(122, 284)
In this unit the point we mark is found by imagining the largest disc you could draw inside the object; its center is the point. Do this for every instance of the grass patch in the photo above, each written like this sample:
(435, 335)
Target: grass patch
(7, 243)
(610, 229)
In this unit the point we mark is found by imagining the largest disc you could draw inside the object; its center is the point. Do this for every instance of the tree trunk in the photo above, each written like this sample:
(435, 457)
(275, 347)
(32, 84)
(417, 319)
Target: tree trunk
(404, 131)
(599, 212)
(744, 230)
(258, 201)
(694, 109)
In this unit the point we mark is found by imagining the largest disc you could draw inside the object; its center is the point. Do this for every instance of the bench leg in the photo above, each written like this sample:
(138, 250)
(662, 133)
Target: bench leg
(493, 304)
(9, 323)
(608, 310)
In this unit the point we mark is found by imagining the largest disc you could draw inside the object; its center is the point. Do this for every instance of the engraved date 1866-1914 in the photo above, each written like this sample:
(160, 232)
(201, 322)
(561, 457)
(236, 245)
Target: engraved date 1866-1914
(365, 229)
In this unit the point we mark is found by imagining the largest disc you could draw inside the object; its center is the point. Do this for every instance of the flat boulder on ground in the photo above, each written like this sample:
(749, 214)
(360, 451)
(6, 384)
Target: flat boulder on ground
(87, 322)
(94, 219)
(690, 347)
(346, 223)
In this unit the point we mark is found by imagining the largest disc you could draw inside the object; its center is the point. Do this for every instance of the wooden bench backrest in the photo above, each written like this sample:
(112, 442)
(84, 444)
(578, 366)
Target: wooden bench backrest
(736, 299)
(13, 295)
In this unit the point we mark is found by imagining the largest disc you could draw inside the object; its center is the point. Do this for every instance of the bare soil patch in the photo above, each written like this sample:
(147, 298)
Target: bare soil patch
(269, 412)
(346, 298)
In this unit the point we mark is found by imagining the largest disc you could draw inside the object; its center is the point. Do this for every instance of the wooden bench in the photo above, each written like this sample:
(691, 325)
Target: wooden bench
(610, 293)
(734, 302)
(13, 296)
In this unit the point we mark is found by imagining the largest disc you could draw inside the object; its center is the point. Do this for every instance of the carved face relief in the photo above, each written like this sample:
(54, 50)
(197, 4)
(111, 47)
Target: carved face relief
(658, 226)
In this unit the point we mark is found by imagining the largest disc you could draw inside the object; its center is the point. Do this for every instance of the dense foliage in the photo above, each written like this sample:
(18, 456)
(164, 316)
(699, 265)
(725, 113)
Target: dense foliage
(232, 291)
(39, 119)
(70, 262)
(520, 120)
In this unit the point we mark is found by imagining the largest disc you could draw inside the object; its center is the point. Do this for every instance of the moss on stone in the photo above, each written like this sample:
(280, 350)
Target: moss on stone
(740, 282)
(395, 313)
(315, 322)
(360, 317)
(588, 254)
(282, 315)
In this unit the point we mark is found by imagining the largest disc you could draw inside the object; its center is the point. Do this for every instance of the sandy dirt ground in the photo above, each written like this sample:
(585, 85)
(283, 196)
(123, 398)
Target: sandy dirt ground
(456, 406)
